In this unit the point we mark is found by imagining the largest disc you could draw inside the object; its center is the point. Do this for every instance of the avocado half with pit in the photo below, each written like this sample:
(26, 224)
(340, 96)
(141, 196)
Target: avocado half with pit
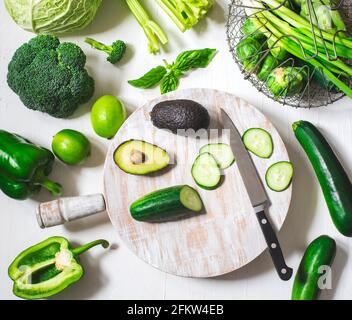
(140, 157)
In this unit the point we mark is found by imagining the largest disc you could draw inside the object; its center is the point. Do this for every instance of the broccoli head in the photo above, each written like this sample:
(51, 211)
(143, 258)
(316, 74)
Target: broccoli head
(115, 52)
(49, 76)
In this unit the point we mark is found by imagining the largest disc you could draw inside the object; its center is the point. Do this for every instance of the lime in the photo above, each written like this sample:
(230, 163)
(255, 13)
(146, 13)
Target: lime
(107, 116)
(71, 147)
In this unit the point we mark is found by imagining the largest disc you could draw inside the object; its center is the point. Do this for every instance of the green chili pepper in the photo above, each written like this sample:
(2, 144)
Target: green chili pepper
(24, 167)
(47, 268)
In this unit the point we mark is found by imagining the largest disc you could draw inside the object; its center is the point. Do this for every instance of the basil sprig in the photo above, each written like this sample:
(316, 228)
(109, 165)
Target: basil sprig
(169, 76)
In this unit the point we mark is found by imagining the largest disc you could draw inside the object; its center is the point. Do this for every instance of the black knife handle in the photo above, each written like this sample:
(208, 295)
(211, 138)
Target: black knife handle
(285, 273)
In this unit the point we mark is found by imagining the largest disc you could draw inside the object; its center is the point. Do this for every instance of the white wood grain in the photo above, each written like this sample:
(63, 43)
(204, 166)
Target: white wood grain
(228, 235)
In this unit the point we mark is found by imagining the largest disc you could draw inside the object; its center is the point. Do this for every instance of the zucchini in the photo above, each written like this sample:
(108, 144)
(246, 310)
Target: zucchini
(221, 152)
(166, 204)
(333, 179)
(206, 172)
(259, 142)
(279, 176)
(321, 252)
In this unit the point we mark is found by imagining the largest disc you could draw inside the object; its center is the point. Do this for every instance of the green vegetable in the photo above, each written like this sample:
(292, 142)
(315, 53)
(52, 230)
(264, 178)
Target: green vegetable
(287, 22)
(277, 50)
(48, 268)
(24, 167)
(107, 116)
(325, 15)
(152, 30)
(221, 152)
(287, 81)
(321, 79)
(140, 157)
(333, 179)
(248, 51)
(169, 76)
(71, 147)
(185, 13)
(268, 65)
(279, 176)
(319, 254)
(259, 142)
(167, 204)
(249, 29)
(115, 52)
(50, 77)
(51, 16)
(206, 172)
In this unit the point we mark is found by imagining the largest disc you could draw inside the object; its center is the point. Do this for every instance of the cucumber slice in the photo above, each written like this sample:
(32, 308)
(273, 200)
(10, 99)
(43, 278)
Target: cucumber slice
(259, 142)
(190, 199)
(221, 152)
(279, 176)
(206, 172)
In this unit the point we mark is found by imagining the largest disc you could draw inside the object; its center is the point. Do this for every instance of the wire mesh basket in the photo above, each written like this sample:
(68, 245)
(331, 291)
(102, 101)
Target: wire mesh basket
(312, 93)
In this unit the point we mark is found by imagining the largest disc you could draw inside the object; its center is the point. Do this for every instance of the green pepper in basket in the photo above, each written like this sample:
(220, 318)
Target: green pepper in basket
(24, 167)
(47, 268)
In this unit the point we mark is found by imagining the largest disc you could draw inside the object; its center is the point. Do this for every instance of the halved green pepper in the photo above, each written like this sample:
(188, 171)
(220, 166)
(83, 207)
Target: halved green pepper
(48, 267)
(24, 167)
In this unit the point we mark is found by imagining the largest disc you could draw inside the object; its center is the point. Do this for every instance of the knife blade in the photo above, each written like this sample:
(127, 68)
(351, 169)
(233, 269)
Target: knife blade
(257, 195)
(248, 171)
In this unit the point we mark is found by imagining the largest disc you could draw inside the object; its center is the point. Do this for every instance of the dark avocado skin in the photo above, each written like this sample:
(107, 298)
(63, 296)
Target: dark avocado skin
(180, 115)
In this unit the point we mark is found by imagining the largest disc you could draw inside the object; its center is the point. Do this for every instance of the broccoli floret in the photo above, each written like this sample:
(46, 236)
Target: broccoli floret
(50, 77)
(115, 52)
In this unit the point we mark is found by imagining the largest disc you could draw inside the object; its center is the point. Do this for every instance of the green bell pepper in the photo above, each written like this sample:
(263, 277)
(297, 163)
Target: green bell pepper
(47, 268)
(24, 167)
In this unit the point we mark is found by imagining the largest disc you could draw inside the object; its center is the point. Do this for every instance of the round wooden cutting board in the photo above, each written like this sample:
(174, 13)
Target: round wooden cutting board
(227, 235)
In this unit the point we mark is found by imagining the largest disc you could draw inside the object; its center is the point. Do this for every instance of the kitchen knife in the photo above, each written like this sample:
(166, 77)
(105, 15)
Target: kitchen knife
(257, 195)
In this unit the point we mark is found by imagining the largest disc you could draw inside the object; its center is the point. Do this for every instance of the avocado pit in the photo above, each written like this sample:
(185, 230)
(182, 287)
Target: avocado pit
(138, 157)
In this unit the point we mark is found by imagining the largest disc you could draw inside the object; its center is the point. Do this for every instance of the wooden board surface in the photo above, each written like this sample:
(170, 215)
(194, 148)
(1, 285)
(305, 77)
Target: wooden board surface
(227, 236)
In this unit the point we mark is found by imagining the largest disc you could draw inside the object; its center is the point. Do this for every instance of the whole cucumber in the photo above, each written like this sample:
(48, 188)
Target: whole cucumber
(321, 252)
(333, 179)
(166, 204)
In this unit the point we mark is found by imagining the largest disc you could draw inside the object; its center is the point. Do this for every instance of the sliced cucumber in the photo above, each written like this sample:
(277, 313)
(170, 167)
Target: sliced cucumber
(221, 152)
(206, 172)
(259, 142)
(190, 199)
(279, 176)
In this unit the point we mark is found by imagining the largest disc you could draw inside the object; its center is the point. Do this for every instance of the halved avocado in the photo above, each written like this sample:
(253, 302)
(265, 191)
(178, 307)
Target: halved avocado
(140, 157)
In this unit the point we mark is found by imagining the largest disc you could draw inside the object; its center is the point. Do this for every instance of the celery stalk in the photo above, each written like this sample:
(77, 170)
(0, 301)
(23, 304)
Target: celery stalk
(151, 29)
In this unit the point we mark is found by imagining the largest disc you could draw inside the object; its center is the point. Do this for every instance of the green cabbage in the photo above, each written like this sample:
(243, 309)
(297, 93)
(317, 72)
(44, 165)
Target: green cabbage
(52, 16)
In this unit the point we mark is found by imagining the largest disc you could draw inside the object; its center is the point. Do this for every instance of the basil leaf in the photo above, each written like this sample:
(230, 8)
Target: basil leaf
(150, 79)
(169, 83)
(193, 59)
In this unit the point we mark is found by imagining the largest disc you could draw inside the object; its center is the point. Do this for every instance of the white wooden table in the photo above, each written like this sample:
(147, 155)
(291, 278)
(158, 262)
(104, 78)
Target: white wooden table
(117, 273)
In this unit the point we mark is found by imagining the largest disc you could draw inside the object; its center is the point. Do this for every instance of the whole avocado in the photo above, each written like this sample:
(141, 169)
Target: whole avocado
(50, 77)
(180, 115)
